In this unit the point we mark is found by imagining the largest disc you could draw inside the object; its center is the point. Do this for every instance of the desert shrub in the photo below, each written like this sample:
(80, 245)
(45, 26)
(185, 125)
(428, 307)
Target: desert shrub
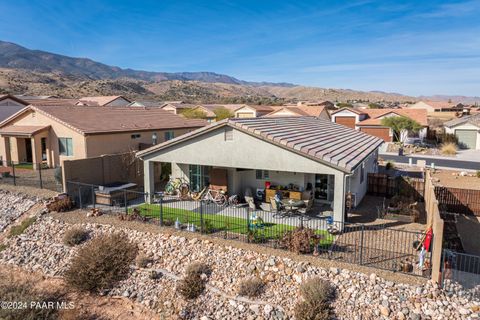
(305, 311)
(61, 205)
(75, 236)
(142, 261)
(197, 269)
(57, 174)
(449, 148)
(478, 173)
(251, 287)
(389, 165)
(101, 263)
(316, 290)
(300, 240)
(18, 230)
(15, 289)
(316, 294)
(191, 286)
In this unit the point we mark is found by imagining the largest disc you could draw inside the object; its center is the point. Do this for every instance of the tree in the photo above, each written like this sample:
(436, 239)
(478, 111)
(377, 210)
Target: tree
(374, 106)
(344, 105)
(401, 124)
(194, 114)
(222, 113)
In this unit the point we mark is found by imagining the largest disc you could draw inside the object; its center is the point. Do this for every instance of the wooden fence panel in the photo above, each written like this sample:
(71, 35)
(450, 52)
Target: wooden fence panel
(456, 200)
(386, 186)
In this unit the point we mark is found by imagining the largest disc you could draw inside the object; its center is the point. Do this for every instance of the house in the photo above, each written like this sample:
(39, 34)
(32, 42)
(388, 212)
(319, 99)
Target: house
(177, 107)
(467, 130)
(210, 109)
(369, 121)
(253, 111)
(10, 105)
(436, 106)
(52, 102)
(146, 103)
(300, 111)
(327, 104)
(51, 134)
(104, 101)
(256, 152)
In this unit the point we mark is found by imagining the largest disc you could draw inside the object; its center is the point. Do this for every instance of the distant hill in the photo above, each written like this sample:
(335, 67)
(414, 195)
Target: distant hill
(36, 72)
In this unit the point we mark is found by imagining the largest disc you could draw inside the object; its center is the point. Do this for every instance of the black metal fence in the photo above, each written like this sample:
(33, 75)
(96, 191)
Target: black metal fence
(370, 245)
(29, 174)
(461, 268)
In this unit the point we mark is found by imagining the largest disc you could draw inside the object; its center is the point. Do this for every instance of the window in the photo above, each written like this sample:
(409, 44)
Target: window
(136, 136)
(228, 134)
(262, 174)
(362, 172)
(199, 177)
(169, 135)
(65, 146)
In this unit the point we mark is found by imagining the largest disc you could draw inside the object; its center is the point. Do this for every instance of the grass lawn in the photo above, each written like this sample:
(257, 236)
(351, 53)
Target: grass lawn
(218, 222)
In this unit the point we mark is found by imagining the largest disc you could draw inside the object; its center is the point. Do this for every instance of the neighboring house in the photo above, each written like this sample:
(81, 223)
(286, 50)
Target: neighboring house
(52, 102)
(104, 101)
(252, 111)
(9, 105)
(327, 104)
(369, 121)
(304, 151)
(146, 103)
(467, 130)
(437, 106)
(300, 111)
(178, 107)
(51, 134)
(209, 110)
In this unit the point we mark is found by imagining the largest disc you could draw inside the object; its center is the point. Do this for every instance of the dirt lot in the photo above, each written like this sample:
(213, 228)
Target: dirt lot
(450, 178)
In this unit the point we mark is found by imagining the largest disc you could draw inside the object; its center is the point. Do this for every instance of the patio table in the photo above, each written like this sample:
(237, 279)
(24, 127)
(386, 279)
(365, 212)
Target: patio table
(292, 205)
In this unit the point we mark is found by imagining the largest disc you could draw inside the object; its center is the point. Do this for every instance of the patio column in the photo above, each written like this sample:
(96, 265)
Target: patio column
(36, 153)
(6, 146)
(149, 179)
(339, 198)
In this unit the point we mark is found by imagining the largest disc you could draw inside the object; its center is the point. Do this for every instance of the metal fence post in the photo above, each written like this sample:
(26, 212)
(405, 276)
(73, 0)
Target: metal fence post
(93, 197)
(125, 200)
(40, 175)
(361, 244)
(80, 196)
(201, 217)
(248, 224)
(161, 210)
(13, 172)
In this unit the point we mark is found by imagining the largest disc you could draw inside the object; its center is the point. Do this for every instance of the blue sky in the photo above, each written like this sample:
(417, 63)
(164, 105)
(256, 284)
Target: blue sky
(412, 47)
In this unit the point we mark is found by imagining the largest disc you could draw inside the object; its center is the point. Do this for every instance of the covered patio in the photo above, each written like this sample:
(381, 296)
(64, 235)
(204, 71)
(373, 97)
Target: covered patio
(27, 144)
(294, 156)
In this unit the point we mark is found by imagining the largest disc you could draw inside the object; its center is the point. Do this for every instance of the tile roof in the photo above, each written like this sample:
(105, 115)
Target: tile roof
(440, 104)
(472, 119)
(90, 120)
(100, 100)
(52, 102)
(7, 111)
(313, 111)
(419, 115)
(22, 130)
(318, 139)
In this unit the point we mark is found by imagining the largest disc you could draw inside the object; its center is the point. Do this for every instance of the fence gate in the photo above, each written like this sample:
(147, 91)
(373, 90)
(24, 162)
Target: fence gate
(461, 268)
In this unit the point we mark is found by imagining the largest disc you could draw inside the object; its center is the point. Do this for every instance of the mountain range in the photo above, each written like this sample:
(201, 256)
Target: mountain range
(36, 72)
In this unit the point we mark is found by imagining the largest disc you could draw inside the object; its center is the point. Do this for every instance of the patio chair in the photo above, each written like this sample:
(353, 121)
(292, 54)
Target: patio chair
(277, 208)
(308, 207)
(250, 202)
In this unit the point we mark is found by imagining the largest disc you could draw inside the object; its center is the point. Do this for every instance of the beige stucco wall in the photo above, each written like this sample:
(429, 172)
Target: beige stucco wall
(100, 144)
(32, 118)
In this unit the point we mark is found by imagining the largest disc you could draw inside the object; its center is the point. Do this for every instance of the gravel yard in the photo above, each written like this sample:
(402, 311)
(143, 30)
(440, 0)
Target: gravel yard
(359, 295)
